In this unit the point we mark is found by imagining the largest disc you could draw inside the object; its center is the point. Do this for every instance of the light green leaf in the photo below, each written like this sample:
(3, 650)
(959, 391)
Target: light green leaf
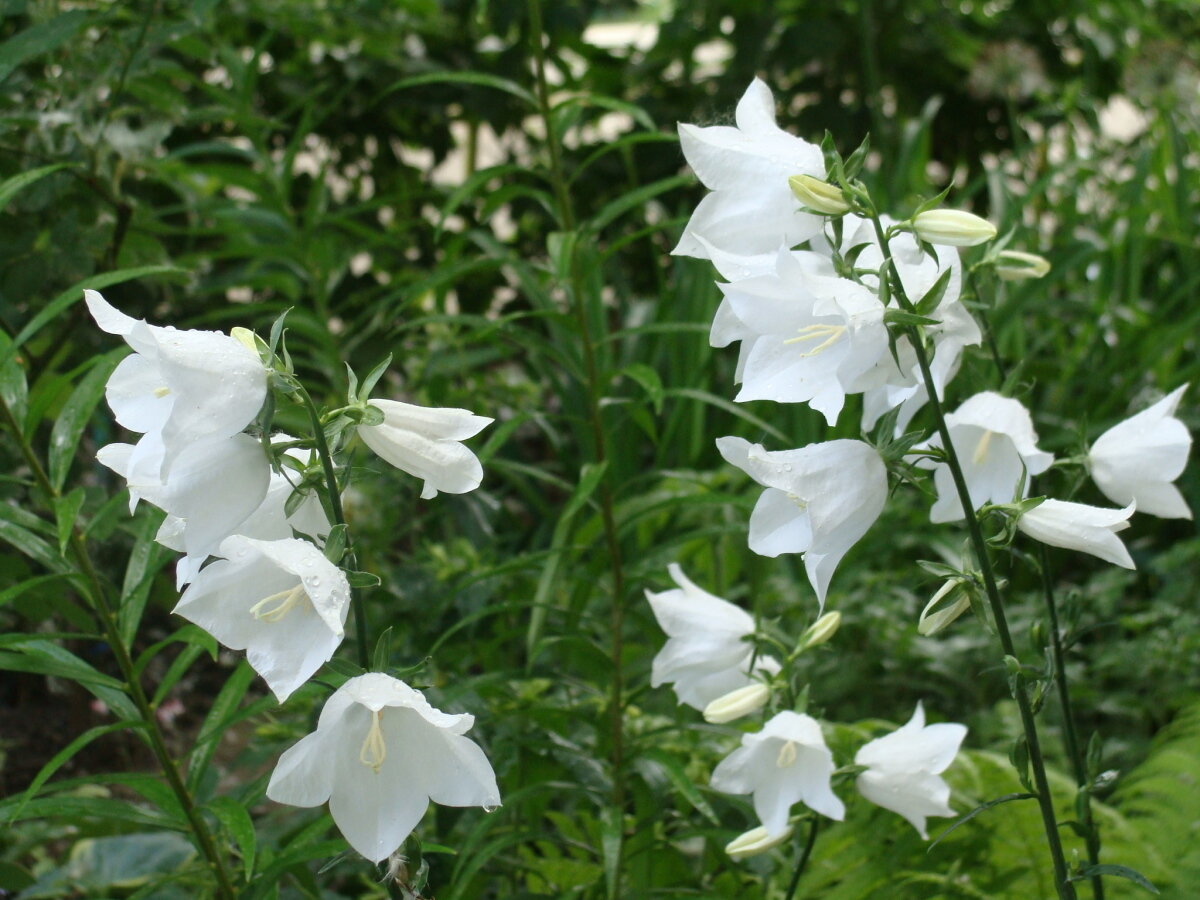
(72, 420)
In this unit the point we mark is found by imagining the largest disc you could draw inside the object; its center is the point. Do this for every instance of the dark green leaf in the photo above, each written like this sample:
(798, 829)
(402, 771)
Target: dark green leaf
(976, 811)
(234, 819)
(38, 40)
(1118, 871)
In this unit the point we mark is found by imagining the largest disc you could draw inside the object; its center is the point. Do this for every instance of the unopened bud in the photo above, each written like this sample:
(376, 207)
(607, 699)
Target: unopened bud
(819, 195)
(244, 336)
(737, 703)
(755, 841)
(821, 630)
(938, 614)
(1015, 265)
(953, 228)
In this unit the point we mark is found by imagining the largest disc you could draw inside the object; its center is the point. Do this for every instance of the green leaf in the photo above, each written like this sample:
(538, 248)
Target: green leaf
(223, 709)
(145, 560)
(62, 756)
(649, 380)
(383, 648)
(612, 834)
(372, 379)
(236, 820)
(45, 658)
(636, 200)
(933, 297)
(73, 418)
(474, 78)
(1007, 798)
(39, 39)
(12, 593)
(13, 186)
(74, 294)
(335, 543)
(363, 579)
(905, 318)
(1119, 871)
(66, 512)
(673, 769)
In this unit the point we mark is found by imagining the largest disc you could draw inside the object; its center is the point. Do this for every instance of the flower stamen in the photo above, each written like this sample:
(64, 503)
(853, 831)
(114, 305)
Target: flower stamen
(286, 600)
(981, 449)
(831, 333)
(162, 391)
(373, 751)
(787, 755)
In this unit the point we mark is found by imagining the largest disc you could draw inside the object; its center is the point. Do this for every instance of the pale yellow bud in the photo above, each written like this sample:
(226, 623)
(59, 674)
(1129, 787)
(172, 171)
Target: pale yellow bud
(1015, 265)
(737, 703)
(819, 195)
(937, 615)
(953, 228)
(821, 630)
(244, 336)
(755, 841)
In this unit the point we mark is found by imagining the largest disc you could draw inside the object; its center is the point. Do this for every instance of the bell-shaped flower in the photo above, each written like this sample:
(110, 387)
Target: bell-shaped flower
(785, 763)
(751, 209)
(706, 655)
(1077, 526)
(186, 385)
(995, 442)
(808, 336)
(1137, 460)
(424, 441)
(380, 753)
(281, 601)
(819, 500)
(214, 485)
(904, 768)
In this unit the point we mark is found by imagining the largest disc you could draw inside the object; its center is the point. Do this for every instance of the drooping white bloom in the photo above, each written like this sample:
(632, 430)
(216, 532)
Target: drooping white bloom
(904, 769)
(784, 763)
(213, 486)
(1077, 526)
(281, 601)
(186, 385)
(995, 442)
(424, 441)
(807, 335)
(706, 655)
(1137, 460)
(751, 209)
(380, 753)
(819, 500)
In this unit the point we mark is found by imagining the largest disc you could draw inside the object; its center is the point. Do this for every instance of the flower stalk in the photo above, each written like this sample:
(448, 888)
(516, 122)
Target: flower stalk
(889, 278)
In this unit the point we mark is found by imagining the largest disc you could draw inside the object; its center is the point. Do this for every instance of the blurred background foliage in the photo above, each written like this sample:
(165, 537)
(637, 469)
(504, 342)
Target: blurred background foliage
(379, 167)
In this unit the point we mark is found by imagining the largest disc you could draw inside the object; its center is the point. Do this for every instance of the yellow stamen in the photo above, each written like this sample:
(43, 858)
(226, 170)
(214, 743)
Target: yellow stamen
(830, 333)
(373, 751)
(981, 448)
(787, 755)
(287, 599)
(162, 391)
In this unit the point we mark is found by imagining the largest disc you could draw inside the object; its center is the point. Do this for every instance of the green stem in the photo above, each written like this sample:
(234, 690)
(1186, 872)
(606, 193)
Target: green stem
(108, 621)
(1070, 735)
(1066, 890)
(803, 859)
(339, 518)
(600, 451)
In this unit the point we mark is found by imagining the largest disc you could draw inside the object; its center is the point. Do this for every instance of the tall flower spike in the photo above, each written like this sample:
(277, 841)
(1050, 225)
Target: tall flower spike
(903, 769)
(785, 763)
(280, 601)
(705, 656)
(1137, 460)
(186, 385)
(751, 209)
(819, 500)
(995, 442)
(380, 753)
(424, 441)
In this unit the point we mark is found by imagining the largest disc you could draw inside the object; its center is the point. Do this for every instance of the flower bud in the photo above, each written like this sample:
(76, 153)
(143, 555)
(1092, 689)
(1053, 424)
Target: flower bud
(821, 630)
(953, 228)
(937, 615)
(819, 195)
(244, 336)
(736, 704)
(755, 841)
(1014, 265)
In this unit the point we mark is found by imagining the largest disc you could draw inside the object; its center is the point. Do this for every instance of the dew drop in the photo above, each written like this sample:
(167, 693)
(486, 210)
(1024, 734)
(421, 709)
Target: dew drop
(490, 809)
(314, 581)
(787, 467)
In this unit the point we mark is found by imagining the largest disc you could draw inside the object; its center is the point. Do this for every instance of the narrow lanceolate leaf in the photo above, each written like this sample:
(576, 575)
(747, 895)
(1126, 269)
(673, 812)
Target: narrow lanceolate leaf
(223, 708)
(1118, 872)
(62, 757)
(234, 819)
(933, 297)
(39, 39)
(145, 561)
(66, 512)
(72, 420)
(976, 811)
(335, 543)
(44, 658)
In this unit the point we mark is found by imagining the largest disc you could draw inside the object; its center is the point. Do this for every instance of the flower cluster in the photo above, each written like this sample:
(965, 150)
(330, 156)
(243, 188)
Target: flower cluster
(260, 570)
